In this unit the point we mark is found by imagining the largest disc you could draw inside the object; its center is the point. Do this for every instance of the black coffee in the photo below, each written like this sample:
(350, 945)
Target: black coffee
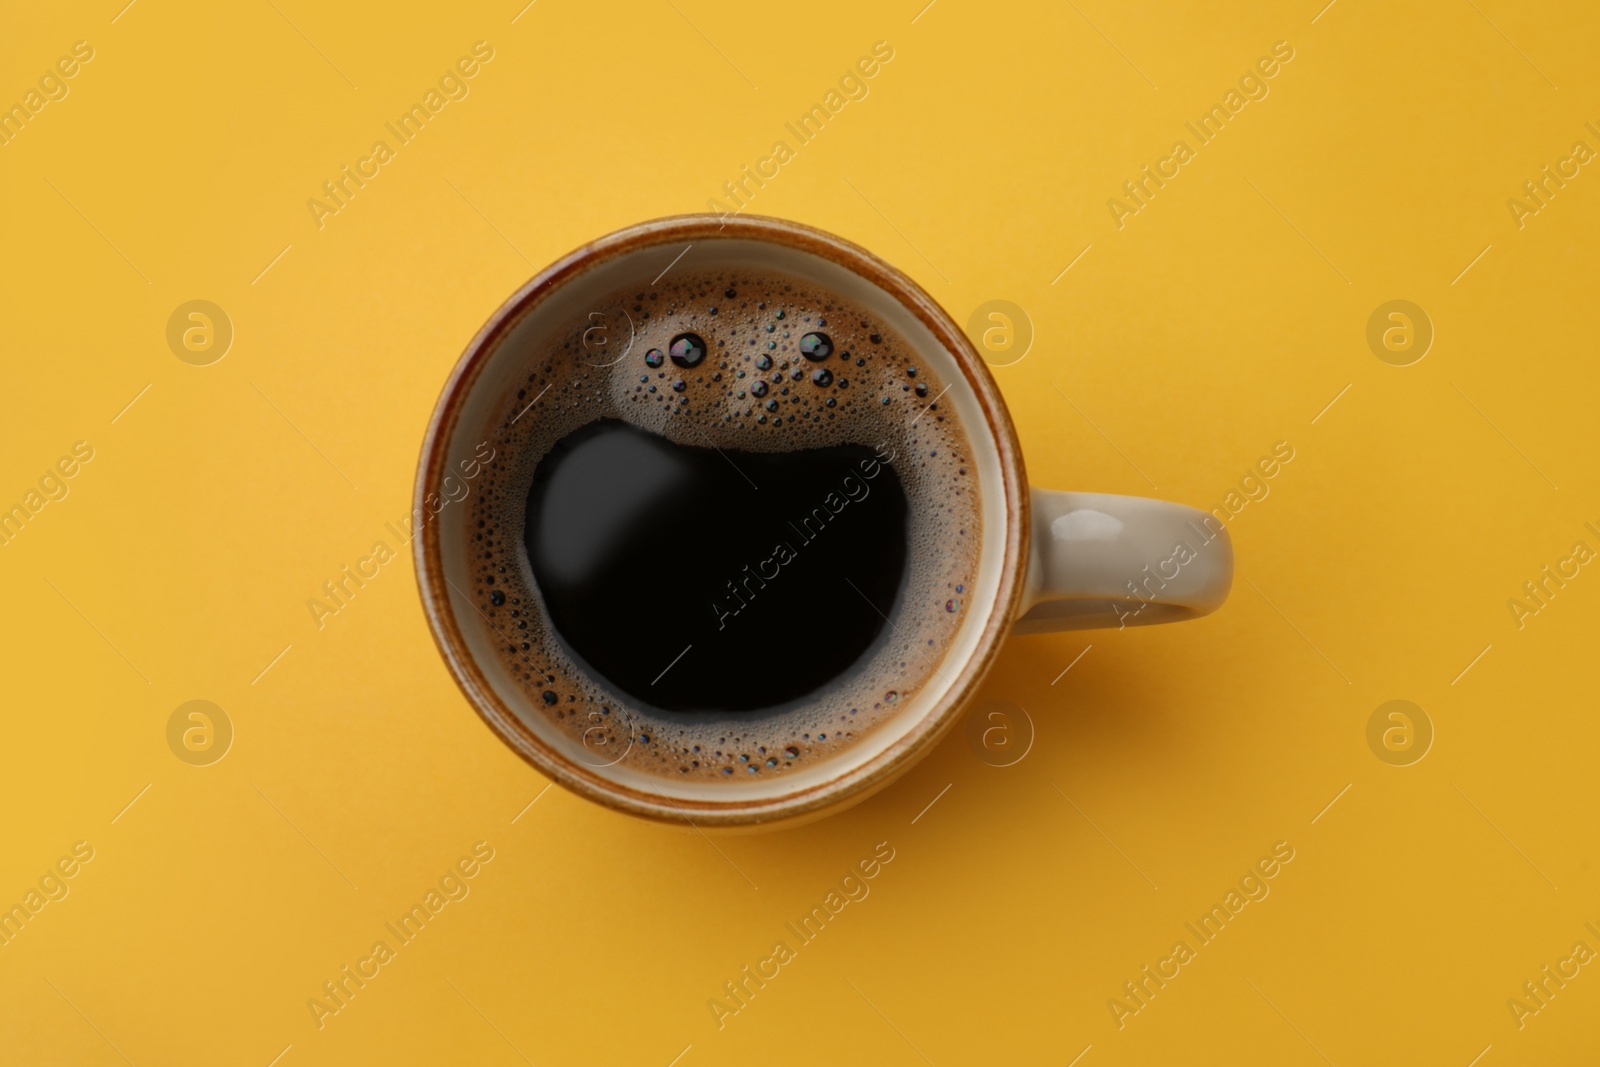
(675, 572)
(729, 529)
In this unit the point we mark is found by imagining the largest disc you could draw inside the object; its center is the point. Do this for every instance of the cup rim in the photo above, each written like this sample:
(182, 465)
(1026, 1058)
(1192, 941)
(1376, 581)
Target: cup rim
(854, 783)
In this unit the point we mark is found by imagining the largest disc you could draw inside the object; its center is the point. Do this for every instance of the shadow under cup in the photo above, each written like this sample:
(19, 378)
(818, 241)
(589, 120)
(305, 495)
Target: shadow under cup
(496, 364)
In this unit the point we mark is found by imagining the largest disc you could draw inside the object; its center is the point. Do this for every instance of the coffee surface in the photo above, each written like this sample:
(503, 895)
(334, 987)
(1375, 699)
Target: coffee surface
(729, 525)
(749, 538)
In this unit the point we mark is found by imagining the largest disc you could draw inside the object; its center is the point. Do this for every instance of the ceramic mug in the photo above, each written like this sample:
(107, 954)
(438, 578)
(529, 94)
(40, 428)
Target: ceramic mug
(1047, 560)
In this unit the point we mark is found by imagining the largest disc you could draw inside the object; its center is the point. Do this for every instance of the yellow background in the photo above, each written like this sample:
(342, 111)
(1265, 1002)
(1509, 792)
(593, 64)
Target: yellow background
(1222, 318)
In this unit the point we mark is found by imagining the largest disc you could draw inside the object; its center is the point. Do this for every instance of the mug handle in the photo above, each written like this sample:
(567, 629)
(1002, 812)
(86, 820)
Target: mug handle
(1099, 560)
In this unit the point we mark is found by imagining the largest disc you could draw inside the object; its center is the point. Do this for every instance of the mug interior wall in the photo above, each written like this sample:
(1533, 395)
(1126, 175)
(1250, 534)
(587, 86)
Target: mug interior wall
(506, 365)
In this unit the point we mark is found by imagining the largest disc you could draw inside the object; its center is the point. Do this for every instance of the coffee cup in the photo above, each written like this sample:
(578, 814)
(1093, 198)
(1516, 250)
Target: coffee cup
(656, 345)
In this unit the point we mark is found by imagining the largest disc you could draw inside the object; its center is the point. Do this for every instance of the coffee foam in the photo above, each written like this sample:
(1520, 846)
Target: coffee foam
(882, 395)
